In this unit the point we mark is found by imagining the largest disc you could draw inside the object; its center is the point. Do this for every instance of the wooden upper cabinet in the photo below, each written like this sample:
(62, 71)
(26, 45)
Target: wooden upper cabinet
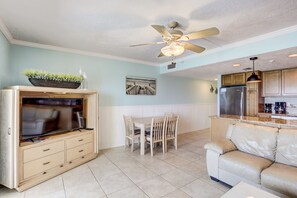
(272, 83)
(289, 82)
(239, 79)
(227, 80)
(233, 79)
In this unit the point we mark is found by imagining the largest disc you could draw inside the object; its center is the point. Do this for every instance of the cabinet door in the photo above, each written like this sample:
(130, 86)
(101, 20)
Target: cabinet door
(252, 99)
(272, 83)
(239, 79)
(289, 82)
(227, 80)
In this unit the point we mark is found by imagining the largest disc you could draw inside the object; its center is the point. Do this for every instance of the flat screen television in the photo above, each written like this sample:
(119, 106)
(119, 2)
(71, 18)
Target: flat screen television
(47, 116)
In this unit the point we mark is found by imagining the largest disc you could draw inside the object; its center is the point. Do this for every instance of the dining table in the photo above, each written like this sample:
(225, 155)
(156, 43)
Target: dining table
(143, 123)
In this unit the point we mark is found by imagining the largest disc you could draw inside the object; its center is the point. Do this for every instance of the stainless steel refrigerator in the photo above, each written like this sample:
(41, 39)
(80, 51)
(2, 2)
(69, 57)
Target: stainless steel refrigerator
(233, 100)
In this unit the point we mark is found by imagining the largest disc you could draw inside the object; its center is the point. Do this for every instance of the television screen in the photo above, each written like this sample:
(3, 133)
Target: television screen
(47, 116)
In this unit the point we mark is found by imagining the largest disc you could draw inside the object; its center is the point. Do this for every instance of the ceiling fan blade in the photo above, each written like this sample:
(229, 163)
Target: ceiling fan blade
(150, 43)
(162, 30)
(160, 55)
(201, 34)
(194, 48)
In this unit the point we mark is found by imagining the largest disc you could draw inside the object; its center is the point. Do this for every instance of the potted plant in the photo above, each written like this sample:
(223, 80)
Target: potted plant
(46, 79)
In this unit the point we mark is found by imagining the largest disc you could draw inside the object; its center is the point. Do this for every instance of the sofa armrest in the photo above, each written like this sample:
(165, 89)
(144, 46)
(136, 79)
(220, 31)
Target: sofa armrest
(221, 146)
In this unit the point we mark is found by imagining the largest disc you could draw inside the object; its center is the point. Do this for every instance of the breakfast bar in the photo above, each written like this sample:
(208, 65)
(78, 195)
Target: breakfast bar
(219, 124)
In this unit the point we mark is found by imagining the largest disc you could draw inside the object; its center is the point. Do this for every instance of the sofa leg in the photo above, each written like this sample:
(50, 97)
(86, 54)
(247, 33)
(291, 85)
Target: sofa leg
(214, 179)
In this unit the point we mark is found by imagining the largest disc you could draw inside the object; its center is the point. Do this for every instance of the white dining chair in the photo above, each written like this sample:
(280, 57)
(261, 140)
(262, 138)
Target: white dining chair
(156, 133)
(171, 131)
(132, 134)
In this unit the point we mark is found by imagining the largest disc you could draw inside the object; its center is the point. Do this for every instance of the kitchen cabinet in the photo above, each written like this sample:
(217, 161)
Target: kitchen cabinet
(272, 83)
(233, 79)
(254, 101)
(289, 82)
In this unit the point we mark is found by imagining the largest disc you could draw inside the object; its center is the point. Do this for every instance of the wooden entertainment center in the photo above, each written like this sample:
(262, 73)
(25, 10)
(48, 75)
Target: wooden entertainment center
(24, 164)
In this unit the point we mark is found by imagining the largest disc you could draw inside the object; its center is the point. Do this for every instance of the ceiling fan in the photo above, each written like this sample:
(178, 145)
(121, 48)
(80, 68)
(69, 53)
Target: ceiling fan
(175, 40)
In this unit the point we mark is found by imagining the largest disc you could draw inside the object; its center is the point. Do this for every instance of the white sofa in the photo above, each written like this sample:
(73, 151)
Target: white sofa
(261, 155)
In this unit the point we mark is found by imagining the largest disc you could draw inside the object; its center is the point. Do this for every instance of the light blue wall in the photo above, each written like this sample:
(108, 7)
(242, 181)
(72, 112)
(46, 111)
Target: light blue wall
(4, 61)
(108, 77)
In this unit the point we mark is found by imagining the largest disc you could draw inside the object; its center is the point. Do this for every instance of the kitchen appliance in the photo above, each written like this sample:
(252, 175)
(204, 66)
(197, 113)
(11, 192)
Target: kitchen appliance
(280, 107)
(268, 108)
(233, 100)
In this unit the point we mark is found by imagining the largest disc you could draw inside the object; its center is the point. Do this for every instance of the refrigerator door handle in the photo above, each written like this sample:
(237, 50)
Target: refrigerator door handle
(241, 103)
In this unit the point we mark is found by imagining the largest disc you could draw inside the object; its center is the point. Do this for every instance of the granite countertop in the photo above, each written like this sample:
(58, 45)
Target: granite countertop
(261, 120)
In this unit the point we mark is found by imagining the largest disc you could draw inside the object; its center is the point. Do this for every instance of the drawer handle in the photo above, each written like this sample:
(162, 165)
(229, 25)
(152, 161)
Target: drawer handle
(46, 150)
(46, 163)
(81, 140)
(44, 173)
(70, 162)
(81, 151)
(83, 157)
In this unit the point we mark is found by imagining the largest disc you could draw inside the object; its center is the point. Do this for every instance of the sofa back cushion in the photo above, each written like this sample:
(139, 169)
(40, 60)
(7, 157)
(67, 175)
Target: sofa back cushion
(286, 152)
(256, 140)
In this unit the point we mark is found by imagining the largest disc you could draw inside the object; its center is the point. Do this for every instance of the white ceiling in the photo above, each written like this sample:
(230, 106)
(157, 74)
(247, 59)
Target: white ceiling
(109, 27)
(269, 61)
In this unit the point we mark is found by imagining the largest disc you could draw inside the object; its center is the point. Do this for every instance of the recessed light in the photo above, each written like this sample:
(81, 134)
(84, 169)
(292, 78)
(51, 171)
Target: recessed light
(236, 65)
(292, 55)
(271, 61)
(215, 79)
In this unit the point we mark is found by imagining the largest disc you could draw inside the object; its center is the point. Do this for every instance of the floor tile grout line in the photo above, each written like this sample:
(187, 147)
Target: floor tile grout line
(96, 180)
(65, 193)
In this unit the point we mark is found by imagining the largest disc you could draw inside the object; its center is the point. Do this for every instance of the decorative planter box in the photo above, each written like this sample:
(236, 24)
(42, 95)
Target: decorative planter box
(54, 83)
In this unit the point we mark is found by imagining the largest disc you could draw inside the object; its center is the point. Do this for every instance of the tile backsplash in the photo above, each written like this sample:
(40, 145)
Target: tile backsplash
(291, 103)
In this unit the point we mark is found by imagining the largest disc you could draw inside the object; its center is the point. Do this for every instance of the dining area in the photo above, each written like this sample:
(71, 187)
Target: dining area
(153, 131)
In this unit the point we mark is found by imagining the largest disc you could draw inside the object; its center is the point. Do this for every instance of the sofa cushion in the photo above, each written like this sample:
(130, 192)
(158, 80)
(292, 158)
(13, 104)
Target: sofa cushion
(286, 151)
(256, 140)
(244, 165)
(281, 178)
(221, 146)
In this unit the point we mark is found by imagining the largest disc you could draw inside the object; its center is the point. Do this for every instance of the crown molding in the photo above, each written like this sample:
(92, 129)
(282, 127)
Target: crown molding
(5, 31)
(80, 52)
(280, 32)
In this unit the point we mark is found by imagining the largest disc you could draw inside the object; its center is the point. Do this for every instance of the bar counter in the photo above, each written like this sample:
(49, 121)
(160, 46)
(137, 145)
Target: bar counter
(280, 123)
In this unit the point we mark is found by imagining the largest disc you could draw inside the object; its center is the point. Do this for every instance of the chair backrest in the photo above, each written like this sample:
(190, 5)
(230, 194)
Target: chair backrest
(158, 128)
(129, 125)
(171, 126)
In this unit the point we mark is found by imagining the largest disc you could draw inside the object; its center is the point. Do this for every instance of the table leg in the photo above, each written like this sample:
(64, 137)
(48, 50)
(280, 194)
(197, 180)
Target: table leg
(142, 140)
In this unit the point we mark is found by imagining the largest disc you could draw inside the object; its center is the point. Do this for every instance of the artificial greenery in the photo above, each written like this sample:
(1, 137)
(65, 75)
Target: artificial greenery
(37, 74)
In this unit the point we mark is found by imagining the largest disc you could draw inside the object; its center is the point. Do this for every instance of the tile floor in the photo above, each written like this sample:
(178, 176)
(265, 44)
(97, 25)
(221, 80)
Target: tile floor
(119, 173)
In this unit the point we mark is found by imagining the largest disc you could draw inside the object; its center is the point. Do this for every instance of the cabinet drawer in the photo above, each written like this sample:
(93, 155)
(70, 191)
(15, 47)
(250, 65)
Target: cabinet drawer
(79, 151)
(80, 140)
(40, 165)
(42, 151)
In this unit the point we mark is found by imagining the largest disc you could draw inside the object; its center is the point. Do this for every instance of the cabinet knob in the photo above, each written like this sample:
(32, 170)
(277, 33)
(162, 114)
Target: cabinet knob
(83, 157)
(81, 151)
(81, 140)
(44, 173)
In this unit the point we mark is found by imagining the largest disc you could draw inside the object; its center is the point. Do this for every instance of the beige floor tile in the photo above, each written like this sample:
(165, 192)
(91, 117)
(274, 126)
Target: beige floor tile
(177, 161)
(115, 156)
(10, 193)
(85, 190)
(127, 163)
(56, 194)
(178, 178)
(163, 156)
(156, 187)
(177, 194)
(138, 173)
(52, 186)
(131, 192)
(115, 183)
(107, 170)
(200, 189)
(159, 167)
(223, 187)
(194, 169)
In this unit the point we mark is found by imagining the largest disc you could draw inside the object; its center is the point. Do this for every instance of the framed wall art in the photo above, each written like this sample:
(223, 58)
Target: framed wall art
(140, 86)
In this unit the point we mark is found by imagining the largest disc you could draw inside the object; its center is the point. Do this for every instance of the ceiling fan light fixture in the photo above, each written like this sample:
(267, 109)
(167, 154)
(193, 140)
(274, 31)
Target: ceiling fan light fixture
(173, 49)
(254, 78)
